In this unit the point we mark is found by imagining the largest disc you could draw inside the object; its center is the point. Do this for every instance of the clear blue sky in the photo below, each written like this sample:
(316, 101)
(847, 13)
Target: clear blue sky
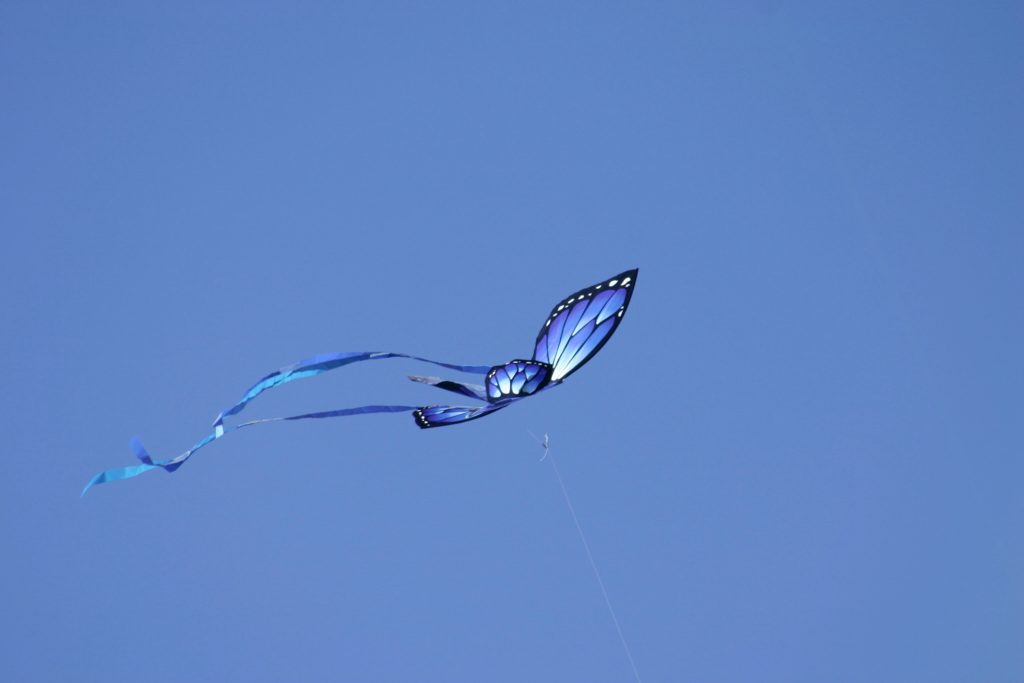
(799, 459)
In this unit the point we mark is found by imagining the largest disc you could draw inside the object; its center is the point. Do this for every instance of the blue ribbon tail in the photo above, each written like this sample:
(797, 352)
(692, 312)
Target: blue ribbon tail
(117, 475)
(174, 463)
(309, 367)
(341, 412)
(326, 362)
(140, 451)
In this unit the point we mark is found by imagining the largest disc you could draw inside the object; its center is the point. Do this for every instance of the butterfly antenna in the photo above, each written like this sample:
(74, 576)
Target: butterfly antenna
(590, 557)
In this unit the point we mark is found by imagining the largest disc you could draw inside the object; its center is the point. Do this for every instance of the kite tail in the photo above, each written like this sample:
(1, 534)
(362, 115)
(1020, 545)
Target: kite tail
(309, 367)
(174, 463)
(316, 365)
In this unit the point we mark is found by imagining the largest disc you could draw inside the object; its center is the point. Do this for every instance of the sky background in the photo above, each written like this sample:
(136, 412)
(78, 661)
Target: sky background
(799, 459)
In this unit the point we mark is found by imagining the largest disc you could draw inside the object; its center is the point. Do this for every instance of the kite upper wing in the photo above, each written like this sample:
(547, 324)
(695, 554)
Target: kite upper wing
(580, 324)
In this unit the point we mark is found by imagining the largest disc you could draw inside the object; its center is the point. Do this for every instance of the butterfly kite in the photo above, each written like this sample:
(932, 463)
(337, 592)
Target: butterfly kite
(576, 329)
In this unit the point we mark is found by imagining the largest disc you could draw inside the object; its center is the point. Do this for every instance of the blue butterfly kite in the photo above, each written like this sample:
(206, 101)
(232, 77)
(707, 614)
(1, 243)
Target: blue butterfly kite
(576, 329)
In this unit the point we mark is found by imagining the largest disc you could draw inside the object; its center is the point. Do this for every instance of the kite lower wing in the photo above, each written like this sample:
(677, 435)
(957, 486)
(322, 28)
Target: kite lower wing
(443, 416)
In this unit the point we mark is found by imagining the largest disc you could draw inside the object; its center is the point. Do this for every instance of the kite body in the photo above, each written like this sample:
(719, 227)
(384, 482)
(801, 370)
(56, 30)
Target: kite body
(575, 330)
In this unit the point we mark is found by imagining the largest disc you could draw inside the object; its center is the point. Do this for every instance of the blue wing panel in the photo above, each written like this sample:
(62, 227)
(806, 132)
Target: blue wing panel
(597, 303)
(574, 345)
(567, 363)
(612, 307)
(553, 336)
(572, 319)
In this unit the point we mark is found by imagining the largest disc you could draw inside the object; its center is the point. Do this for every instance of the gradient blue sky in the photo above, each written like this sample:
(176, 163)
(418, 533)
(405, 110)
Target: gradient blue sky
(799, 459)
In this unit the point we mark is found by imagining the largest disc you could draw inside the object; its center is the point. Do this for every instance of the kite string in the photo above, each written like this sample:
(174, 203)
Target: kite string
(593, 564)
